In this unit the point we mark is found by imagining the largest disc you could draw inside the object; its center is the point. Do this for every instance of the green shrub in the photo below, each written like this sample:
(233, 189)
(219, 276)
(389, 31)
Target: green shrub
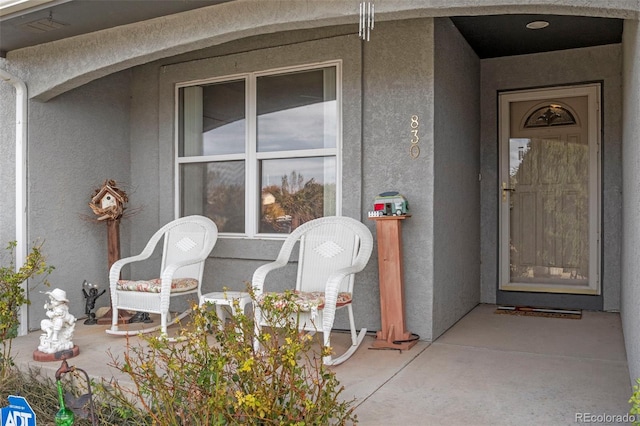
(635, 403)
(213, 376)
(12, 295)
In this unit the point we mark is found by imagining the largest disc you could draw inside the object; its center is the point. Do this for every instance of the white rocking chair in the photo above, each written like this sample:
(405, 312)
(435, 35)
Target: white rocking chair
(187, 244)
(332, 251)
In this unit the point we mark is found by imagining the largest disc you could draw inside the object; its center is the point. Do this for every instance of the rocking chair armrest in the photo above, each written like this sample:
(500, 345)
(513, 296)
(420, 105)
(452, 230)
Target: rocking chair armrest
(257, 282)
(331, 292)
(334, 280)
(114, 272)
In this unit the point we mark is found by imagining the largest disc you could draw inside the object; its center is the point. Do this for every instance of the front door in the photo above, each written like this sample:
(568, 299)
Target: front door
(549, 180)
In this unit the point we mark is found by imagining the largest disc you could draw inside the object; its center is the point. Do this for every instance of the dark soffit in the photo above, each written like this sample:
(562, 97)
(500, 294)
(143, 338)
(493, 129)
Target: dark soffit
(493, 36)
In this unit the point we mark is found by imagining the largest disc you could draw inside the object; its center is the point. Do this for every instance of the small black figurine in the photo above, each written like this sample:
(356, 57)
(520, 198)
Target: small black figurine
(90, 301)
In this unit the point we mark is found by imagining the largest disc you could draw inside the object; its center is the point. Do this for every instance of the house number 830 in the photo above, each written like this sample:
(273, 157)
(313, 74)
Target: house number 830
(414, 149)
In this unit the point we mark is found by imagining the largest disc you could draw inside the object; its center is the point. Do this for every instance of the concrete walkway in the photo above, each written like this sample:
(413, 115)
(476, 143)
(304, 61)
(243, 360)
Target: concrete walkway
(488, 369)
(494, 369)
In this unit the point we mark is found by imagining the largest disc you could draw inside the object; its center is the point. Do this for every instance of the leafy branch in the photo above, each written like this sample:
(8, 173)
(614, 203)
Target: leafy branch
(13, 295)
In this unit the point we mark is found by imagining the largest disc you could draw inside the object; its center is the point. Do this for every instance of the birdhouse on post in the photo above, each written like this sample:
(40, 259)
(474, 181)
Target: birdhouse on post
(108, 203)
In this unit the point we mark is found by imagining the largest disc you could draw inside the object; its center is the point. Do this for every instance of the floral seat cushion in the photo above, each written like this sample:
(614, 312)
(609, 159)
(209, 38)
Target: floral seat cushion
(154, 286)
(310, 301)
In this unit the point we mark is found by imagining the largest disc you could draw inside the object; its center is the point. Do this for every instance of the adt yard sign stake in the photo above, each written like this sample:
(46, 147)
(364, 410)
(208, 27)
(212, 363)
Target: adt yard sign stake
(18, 413)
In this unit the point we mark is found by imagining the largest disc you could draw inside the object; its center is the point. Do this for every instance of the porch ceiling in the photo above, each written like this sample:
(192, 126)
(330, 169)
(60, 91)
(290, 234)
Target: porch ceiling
(489, 35)
(22, 25)
(493, 36)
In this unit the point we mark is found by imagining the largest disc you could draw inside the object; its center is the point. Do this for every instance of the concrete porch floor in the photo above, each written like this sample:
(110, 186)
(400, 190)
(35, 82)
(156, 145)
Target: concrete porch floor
(488, 369)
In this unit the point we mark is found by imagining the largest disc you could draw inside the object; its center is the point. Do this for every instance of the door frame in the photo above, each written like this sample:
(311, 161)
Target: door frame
(593, 93)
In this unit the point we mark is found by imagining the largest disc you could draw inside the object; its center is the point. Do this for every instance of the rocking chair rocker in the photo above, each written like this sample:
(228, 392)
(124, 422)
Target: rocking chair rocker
(332, 251)
(187, 244)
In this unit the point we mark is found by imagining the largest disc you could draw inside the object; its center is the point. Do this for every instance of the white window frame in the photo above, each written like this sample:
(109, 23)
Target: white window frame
(251, 157)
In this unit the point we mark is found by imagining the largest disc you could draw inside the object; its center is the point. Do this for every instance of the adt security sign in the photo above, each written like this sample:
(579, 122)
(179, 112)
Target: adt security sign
(18, 413)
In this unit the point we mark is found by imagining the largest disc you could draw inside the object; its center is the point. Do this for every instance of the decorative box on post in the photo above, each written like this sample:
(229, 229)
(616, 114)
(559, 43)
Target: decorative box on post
(108, 203)
(390, 210)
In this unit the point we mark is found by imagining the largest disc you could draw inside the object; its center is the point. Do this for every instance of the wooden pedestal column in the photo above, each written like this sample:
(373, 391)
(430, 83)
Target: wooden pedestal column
(113, 254)
(113, 241)
(393, 334)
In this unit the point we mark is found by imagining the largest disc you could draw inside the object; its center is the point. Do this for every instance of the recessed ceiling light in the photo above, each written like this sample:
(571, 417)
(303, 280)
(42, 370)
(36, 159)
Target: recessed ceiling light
(537, 25)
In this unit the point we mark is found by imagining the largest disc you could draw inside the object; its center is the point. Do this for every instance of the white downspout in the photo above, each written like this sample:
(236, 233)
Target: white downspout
(21, 183)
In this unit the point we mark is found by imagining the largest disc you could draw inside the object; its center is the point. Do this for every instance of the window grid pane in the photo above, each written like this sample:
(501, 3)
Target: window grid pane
(212, 119)
(296, 110)
(277, 130)
(295, 191)
(215, 190)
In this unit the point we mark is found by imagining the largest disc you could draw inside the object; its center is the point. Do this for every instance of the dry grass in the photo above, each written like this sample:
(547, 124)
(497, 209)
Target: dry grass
(41, 393)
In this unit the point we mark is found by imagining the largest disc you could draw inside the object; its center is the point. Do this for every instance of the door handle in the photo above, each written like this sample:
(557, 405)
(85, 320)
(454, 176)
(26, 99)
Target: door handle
(505, 189)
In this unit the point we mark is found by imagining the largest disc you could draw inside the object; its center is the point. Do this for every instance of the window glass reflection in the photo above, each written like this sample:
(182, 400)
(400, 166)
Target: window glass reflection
(213, 119)
(215, 190)
(295, 191)
(297, 111)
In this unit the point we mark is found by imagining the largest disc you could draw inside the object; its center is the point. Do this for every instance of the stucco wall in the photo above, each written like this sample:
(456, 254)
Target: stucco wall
(398, 83)
(76, 142)
(456, 198)
(53, 68)
(7, 164)
(631, 207)
(601, 63)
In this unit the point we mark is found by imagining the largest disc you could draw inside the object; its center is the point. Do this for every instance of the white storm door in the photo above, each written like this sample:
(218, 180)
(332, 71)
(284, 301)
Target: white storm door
(549, 190)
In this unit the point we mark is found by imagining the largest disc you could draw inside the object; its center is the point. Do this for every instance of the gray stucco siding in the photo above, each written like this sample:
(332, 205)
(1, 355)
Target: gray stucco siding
(77, 141)
(456, 200)
(7, 164)
(631, 207)
(398, 72)
(62, 65)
